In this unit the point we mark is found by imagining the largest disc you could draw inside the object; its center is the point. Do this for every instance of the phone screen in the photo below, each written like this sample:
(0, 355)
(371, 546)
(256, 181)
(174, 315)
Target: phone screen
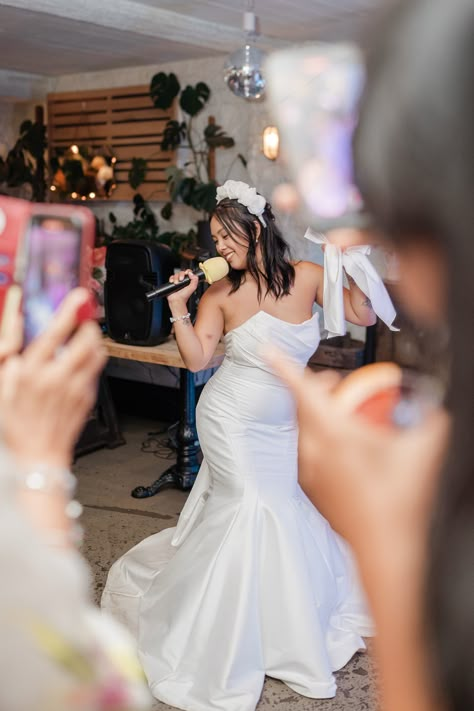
(52, 257)
(314, 92)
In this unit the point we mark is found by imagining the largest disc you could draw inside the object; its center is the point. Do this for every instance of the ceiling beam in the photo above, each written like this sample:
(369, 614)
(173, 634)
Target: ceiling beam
(129, 16)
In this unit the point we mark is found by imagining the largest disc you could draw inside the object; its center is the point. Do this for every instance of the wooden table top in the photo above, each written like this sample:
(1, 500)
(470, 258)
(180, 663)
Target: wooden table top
(166, 353)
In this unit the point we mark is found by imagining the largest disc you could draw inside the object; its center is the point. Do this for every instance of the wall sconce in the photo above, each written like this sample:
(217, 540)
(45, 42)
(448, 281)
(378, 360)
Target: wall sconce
(270, 142)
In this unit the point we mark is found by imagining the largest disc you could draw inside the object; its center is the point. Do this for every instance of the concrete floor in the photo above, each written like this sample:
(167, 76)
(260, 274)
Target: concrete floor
(114, 522)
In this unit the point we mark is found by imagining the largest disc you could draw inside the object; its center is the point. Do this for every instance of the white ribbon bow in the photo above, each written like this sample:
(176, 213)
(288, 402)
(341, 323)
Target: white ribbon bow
(355, 262)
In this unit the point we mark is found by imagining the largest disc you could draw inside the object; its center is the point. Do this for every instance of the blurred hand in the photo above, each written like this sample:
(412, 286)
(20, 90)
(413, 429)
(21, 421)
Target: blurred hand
(345, 237)
(370, 482)
(183, 295)
(47, 392)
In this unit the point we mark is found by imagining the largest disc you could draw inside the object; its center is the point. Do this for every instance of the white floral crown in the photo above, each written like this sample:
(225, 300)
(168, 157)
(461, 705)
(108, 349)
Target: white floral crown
(243, 193)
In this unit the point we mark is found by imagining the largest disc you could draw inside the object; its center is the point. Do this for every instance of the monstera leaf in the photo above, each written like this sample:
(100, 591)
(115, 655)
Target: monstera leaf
(137, 173)
(173, 134)
(186, 190)
(216, 137)
(204, 197)
(193, 99)
(163, 89)
(166, 211)
(174, 178)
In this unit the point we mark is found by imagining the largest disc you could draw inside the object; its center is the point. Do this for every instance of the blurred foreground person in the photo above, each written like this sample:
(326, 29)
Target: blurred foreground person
(57, 650)
(404, 499)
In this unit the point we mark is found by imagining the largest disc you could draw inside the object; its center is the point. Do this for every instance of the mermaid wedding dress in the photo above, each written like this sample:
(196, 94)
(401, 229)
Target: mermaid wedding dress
(252, 581)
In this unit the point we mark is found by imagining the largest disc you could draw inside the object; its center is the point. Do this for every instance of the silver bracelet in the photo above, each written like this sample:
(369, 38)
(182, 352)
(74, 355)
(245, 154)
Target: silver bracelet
(184, 317)
(44, 478)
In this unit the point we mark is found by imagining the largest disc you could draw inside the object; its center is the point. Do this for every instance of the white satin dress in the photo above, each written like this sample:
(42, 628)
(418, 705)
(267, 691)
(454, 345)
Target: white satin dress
(252, 581)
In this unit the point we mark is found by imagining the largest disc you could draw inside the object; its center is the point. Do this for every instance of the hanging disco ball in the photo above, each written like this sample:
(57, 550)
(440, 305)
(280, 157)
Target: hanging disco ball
(243, 73)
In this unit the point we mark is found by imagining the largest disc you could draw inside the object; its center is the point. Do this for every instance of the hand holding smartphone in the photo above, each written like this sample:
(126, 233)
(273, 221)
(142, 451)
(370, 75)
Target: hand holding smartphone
(45, 251)
(314, 93)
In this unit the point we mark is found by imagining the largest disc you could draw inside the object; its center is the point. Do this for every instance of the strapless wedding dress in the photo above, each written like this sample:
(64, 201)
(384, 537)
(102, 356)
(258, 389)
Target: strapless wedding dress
(252, 581)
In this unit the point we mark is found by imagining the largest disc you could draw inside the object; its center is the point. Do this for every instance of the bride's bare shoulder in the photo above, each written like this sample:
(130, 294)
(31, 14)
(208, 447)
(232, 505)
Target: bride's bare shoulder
(308, 270)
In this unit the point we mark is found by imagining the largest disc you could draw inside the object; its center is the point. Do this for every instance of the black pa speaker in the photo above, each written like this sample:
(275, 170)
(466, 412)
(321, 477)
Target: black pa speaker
(133, 269)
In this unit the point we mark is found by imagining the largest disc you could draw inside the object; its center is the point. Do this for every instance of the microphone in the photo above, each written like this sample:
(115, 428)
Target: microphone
(211, 270)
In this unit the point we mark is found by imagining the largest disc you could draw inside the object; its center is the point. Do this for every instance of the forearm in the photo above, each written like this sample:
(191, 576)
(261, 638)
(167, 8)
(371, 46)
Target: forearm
(189, 345)
(394, 583)
(44, 493)
(360, 305)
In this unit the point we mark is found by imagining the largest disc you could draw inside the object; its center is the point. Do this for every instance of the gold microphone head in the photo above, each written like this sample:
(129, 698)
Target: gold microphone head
(214, 269)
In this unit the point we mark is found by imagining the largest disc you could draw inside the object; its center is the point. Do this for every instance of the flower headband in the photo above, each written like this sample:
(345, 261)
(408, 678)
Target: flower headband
(243, 193)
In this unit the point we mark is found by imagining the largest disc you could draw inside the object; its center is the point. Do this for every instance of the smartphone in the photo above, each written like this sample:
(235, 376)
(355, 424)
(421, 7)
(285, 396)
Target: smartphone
(314, 93)
(49, 253)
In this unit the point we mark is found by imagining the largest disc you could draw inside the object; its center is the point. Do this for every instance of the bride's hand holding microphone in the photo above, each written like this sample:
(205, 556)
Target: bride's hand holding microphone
(182, 295)
(197, 343)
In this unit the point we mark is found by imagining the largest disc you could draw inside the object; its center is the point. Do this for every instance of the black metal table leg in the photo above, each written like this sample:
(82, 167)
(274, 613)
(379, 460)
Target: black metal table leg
(182, 474)
(370, 344)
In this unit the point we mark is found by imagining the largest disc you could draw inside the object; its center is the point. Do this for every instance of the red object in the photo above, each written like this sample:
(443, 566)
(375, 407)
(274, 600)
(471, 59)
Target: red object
(87, 311)
(15, 220)
(98, 256)
(379, 407)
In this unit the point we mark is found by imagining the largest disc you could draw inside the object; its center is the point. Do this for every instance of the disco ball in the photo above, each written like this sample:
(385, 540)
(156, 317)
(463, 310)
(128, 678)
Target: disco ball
(243, 73)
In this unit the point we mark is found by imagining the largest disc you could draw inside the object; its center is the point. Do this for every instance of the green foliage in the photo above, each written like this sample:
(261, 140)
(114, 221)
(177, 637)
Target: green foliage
(163, 90)
(215, 137)
(178, 241)
(194, 98)
(173, 134)
(137, 173)
(190, 184)
(144, 224)
(19, 167)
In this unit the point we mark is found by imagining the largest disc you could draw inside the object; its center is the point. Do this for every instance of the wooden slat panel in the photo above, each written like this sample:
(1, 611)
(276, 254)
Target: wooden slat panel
(95, 93)
(81, 134)
(152, 176)
(133, 102)
(123, 191)
(58, 108)
(140, 114)
(149, 151)
(73, 119)
(136, 128)
(137, 141)
(123, 119)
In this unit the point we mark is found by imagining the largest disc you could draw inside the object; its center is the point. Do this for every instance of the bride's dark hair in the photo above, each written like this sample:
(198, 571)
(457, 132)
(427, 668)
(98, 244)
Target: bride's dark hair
(278, 274)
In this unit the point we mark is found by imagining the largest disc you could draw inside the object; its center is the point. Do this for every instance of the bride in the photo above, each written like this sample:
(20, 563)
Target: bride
(252, 581)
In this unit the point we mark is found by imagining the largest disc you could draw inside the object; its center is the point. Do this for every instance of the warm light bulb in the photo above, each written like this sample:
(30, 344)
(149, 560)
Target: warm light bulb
(74, 149)
(52, 188)
(271, 142)
(74, 195)
(92, 195)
